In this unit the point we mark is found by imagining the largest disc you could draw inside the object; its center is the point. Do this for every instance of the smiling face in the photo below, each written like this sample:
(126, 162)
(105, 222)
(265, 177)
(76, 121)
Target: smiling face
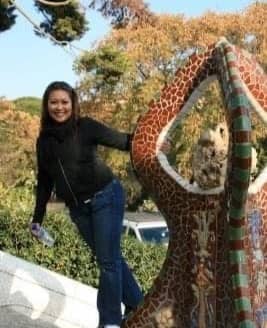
(59, 105)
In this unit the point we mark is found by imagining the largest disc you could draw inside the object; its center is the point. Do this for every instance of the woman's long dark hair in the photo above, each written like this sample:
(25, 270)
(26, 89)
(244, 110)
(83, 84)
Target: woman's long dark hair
(46, 120)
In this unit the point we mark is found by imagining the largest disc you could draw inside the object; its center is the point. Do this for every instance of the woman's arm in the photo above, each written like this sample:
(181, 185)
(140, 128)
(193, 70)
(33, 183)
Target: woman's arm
(106, 136)
(44, 187)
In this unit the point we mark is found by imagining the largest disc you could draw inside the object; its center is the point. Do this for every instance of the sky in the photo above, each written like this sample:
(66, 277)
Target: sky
(30, 63)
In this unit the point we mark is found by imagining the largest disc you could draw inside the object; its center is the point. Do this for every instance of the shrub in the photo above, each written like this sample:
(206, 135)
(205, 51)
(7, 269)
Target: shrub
(30, 105)
(70, 256)
(18, 132)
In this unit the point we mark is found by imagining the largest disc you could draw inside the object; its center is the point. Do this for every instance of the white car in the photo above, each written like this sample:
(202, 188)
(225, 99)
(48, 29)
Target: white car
(146, 227)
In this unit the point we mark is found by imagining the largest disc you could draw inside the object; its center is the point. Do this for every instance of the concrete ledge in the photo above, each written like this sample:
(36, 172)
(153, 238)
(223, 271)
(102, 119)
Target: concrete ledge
(32, 296)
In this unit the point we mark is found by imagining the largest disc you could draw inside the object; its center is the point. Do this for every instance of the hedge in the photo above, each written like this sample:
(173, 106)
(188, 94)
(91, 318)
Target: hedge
(69, 256)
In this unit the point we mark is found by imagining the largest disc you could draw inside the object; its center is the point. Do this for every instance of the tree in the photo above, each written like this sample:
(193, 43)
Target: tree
(154, 53)
(124, 12)
(18, 132)
(67, 22)
(64, 23)
(7, 16)
(30, 105)
(255, 20)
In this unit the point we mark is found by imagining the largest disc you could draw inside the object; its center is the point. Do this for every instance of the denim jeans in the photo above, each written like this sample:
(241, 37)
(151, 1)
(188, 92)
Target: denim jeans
(100, 224)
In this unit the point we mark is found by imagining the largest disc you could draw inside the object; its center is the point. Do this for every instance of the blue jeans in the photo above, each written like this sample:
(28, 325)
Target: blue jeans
(100, 224)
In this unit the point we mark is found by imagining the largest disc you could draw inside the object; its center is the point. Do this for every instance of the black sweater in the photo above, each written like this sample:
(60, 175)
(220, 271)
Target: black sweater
(71, 165)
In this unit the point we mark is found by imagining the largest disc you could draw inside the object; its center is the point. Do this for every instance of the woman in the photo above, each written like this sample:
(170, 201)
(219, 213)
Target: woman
(67, 160)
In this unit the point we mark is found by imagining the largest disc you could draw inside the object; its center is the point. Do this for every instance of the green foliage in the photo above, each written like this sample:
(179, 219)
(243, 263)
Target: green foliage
(70, 256)
(207, 112)
(7, 16)
(64, 23)
(105, 67)
(146, 260)
(30, 105)
(18, 131)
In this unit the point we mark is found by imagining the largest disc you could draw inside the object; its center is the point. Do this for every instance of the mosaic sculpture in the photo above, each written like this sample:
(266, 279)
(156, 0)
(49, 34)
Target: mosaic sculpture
(215, 271)
(210, 158)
